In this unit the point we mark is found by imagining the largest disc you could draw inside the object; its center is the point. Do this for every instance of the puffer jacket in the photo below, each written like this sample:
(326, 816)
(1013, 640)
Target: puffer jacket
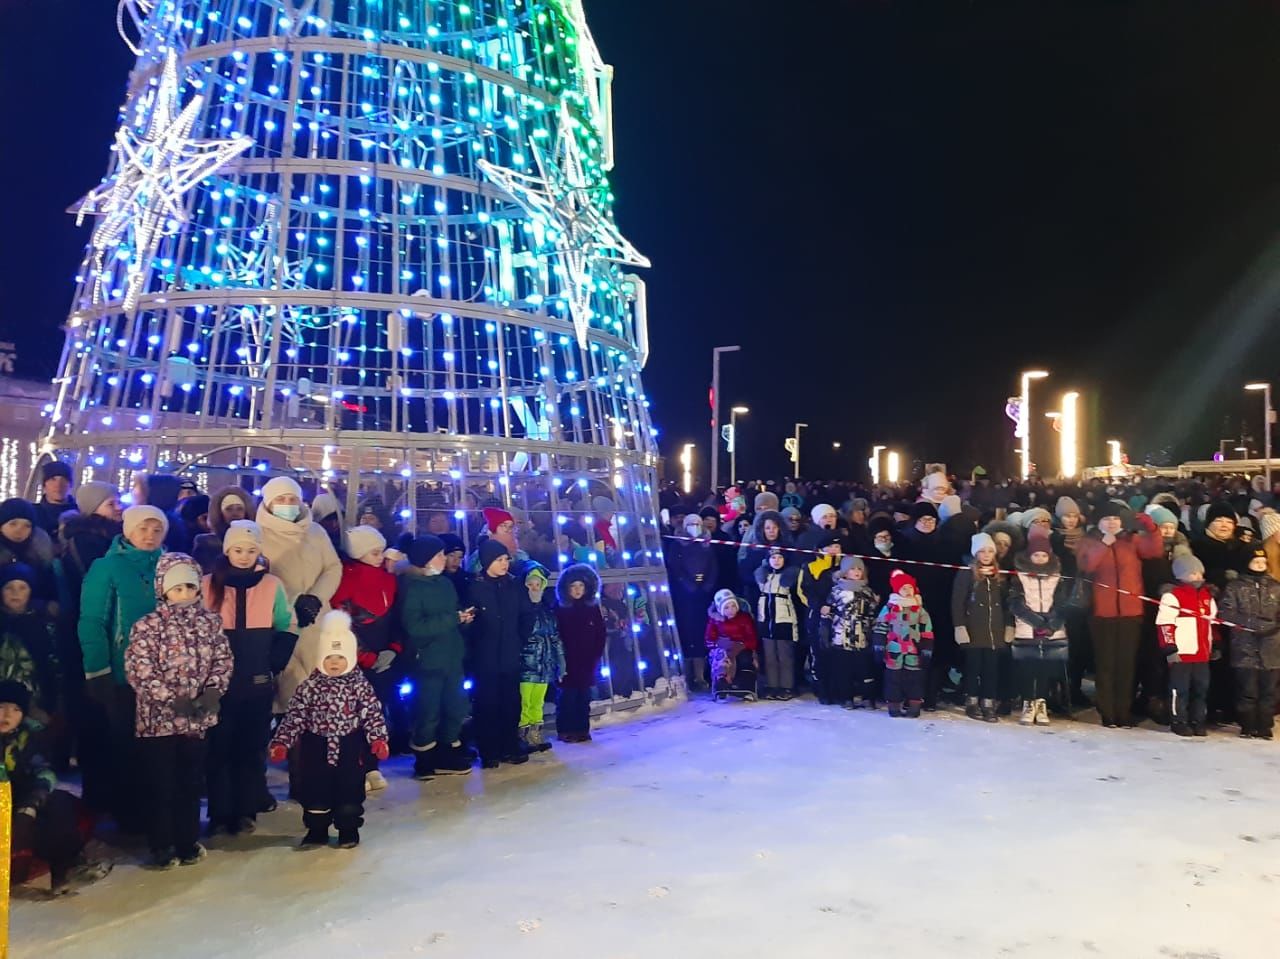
(775, 605)
(37, 552)
(581, 626)
(907, 632)
(428, 611)
(853, 615)
(740, 629)
(368, 594)
(258, 622)
(1119, 565)
(1039, 598)
(752, 550)
(118, 591)
(504, 616)
(1252, 603)
(1185, 621)
(32, 777)
(980, 606)
(542, 659)
(693, 569)
(174, 653)
(29, 654)
(301, 555)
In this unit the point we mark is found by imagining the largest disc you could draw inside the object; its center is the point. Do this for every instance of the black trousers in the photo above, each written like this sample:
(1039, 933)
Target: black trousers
(236, 774)
(1189, 693)
(1153, 666)
(1038, 666)
(1079, 647)
(173, 773)
(573, 711)
(981, 673)
(1115, 648)
(846, 674)
(497, 714)
(332, 793)
(53, 835)
(124, 773)
(1256, 698)
(904, 685)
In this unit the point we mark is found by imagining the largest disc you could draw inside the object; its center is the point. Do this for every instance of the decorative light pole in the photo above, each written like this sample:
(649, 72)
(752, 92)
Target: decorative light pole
(733, 441)
(1269, 416)
(715, 413)
(1024, 417)
(874, 463)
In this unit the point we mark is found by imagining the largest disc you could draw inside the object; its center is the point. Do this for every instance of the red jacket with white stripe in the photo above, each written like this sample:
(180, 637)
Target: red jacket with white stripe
(1184, 620)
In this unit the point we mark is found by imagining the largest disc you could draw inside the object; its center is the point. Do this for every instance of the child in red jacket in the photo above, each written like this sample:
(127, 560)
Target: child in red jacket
(367, 592)
(1187, 635)
(731, 639)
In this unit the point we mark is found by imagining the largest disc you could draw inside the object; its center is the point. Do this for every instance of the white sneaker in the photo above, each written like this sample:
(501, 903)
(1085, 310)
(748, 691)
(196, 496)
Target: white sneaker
(373, 779)
(1028, 717)
(1042, 713)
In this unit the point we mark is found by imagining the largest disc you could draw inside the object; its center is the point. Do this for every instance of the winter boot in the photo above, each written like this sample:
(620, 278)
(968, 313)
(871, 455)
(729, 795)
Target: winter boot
(163, 859)
(971, 707)
(423, 766)
(913, 710)
(317, 823)
(348, 838)
(1028, 717)
(1199, 729)
(450, 760)
(374, 780)
(1042, 713)
(193, 855)
(1181, 729)
(537, 741)
(895, 710)
(989, 714)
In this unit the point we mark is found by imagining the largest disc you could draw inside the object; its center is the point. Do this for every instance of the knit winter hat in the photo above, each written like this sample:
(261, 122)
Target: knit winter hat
(898, 579)
(452, 543)
(337, 639)
(53, 469)
(193, 507)
(363, 540)
(15, 508)
(1185, 564)
(1159, 515)
(789, 512)
(859, 505)
(134, 516)
(709, 512)
(922, 509)
(423, 549)
(766, 500)
(853, 562)
(980, 541)
(490, 550)
(821, 510)
(1270, 523)
(17, 571)
(1109, 508)
(602, 504)
(828, 537)
(949, 507)
(1066, 507)
(280, 486)
(1218, 510)
(534, 570)
(241, 532)
(1259, 552)
(185, 572)
(93, 494)
(1038, 541)
(495, 517)
(324, 506)
(724, 597)
(12, 691)
(693, 523)
(1034, 514)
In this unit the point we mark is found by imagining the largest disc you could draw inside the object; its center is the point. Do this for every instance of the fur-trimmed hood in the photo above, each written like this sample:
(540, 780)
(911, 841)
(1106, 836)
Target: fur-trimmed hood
(578, 573)
(217, 524)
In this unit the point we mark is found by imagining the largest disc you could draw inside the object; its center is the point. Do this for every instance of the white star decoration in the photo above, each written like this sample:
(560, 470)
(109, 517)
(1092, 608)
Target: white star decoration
(154, 172)
(562, 198)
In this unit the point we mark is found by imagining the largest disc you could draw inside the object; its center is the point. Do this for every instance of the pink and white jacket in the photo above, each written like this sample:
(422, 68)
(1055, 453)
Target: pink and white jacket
(174, 653)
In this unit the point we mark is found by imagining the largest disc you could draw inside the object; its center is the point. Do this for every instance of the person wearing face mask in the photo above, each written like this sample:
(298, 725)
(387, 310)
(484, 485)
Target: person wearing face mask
(694, 575)
(1112, 559)
(367, 592)
(299, 551)
(1252, 604)
(258, 623)
(179, 664)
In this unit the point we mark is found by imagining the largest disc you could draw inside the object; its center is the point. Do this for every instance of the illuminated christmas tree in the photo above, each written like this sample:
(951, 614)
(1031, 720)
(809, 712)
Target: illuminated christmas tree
(371, 242)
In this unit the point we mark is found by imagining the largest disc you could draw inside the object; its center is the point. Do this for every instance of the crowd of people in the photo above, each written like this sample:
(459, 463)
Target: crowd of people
(997, 597)
(168, 651)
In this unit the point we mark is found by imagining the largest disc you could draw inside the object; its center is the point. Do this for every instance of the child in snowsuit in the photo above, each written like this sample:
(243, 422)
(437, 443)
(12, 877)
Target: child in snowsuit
(580, 625)
(336, 719)
(731, 641)
(46, 820)
(1252, 604)
(429, 617)
(777, 623)
(367, 591)
(908, 645)
(848, 673)
(542, 657)
(179, 664)
(27, 641)
(1187, 635)
(258, 623)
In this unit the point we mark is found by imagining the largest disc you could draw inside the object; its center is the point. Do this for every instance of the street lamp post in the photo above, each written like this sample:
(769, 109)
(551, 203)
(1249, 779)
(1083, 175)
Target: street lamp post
(1024, 417)
(893, 467)
(686, 461)
(874, 463)
(793, 447)
(1068, 436)
(733, 440)
(1117, 453)
(1268, 417)
(715, 413)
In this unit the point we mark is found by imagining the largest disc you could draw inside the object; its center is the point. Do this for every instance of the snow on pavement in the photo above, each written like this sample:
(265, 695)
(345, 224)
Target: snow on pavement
(747, 830)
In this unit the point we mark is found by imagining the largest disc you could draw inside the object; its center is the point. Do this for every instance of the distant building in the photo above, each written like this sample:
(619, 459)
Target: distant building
(22, 421)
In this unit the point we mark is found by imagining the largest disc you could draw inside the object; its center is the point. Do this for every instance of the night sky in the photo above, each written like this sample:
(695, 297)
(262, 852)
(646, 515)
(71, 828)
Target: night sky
(893, 206)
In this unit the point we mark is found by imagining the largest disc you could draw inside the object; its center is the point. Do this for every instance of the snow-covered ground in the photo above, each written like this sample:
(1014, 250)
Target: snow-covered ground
(748, 830)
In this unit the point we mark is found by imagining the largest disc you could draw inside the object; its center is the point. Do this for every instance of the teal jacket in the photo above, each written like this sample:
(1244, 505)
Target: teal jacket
(429, 618)
(119, 589)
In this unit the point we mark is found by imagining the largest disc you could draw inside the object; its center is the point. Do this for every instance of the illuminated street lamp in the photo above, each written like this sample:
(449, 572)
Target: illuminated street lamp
(686, 461)
(1117, 454)
(1024, 417)
(893, 467)
(1269, 416)
(874, 463)
(1068, 435)
(715, 412)
(733, 441)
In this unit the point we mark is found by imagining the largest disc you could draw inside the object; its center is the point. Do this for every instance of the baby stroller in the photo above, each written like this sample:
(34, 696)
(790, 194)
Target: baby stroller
(738, 682)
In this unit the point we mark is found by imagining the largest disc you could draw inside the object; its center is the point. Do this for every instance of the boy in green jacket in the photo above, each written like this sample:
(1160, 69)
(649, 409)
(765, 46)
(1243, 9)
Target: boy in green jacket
(119, 590)
(430, 617)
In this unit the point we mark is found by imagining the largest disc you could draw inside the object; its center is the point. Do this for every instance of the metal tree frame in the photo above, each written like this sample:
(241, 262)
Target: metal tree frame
(374, 243)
